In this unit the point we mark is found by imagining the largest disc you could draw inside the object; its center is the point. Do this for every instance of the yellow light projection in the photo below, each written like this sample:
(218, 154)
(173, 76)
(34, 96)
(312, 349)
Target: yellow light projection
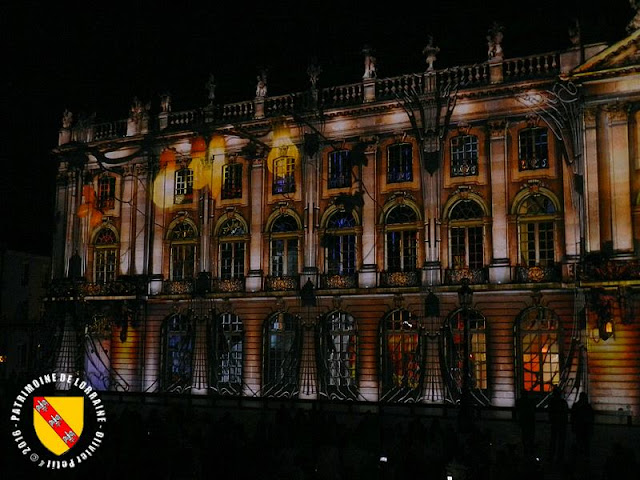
(163, 185)
(282, 147)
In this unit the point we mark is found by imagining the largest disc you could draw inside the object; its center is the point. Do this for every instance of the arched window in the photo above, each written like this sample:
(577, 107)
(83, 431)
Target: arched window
(455, 341)
(337, 356)
(281, 355)
(464, 155)
(284, 247)
(340, 244)
(105, 258)
(227, 354)
(536, 216)
(183, 186)
(184, 239)
(466, 238)
(402, 366)
(232, 238)
(401, 236)
(533, 150)
(538, 346)
(177, 352)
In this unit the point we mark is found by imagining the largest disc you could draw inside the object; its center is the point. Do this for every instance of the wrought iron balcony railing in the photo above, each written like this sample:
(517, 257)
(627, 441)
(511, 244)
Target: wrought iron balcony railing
(455, 276)
(400, 279)
(339, 281)
(537, 274)
(278, 284)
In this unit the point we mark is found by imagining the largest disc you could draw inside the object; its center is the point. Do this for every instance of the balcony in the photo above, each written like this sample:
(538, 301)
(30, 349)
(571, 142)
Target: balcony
(400, 279)
(122, 286)
(455, 276)
(281, 284)
(178, 287)
(537, 274)
(228, 285)
(339, 281)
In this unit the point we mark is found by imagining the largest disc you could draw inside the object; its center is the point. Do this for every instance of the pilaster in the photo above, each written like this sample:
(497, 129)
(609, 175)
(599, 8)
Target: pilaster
(499, 269)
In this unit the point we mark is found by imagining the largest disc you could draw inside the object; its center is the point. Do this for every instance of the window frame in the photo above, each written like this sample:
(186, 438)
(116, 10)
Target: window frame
(532, 241)
(106, 196)
(228, 330)
(232, 176)
(531, 143)
(182, 380)
(340, 386)
(284, 175)
(467, 225)
(286, 237)
(459, 153)
(405, 237)
(399, 165)
(340, 169)
(183, 186)
(285, 381)
(105, 257)
(186, 248)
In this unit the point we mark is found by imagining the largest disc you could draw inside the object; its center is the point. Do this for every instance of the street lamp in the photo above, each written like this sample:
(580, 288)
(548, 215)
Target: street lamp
(465, 297)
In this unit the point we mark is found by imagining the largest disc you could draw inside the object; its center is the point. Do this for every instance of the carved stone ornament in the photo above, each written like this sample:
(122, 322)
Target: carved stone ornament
(398, 300)
(497, 128)
(590, 116)
(617, 113)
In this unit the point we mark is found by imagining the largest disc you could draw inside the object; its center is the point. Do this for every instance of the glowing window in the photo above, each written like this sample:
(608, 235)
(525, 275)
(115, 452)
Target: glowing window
(464, 155)
(538, 346)
(183, 186)
(284, 180)
(400, 163)
(339, 169)
(533, 151)
(106, 193)
(476, 342)
(402, 357)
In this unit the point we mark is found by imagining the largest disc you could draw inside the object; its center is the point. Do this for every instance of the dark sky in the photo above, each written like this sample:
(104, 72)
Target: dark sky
(96, 56)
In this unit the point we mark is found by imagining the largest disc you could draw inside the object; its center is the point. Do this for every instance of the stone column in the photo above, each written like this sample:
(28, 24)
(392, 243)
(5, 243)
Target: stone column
(619, 177)
(254, 279)
(142, 215)
(591, 185)
(310, 182)
(367, 275)
(127, 214)
(499, 269)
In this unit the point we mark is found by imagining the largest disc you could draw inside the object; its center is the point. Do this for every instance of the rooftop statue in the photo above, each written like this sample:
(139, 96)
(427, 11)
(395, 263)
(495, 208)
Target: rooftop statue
(369, 63)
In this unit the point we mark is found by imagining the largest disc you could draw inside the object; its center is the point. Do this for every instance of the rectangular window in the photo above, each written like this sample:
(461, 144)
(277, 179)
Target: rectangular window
(232, 181)
(105, 267)
(106, 193)
(339, 169)
(464, 155)
(232, 260)
(533, 149)
(341, 255)
(536, 244)
(284, 180)
(183, 186)
(399, 163)
(182, 261)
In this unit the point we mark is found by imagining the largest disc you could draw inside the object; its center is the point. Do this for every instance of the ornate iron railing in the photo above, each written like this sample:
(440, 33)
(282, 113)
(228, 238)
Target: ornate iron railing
(228, 285)
(400, 279)
(339, 281)
(455, 276)
(178, 287)
(277, 284)
(537, 274)
(123, 286)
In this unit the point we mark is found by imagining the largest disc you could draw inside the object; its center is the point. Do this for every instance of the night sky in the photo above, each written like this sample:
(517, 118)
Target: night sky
(96, 56)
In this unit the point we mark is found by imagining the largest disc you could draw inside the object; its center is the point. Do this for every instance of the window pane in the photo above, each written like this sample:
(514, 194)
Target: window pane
(464, 155)
(533, 150)
(339, 169)
(399, 163)
(284, 175)
(232, 181)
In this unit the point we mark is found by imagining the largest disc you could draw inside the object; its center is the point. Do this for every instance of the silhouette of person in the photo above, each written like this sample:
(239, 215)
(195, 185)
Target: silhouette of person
(526, 417)
(558, 410)
(582, 424)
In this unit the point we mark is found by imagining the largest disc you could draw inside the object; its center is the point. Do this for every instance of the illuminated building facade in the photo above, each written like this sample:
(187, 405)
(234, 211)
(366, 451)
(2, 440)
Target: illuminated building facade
(314, 245)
